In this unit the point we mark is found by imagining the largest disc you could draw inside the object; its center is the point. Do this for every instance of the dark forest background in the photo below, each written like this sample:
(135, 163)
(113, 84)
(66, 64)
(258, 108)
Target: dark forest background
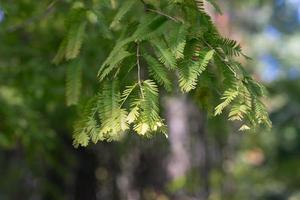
(203, 158)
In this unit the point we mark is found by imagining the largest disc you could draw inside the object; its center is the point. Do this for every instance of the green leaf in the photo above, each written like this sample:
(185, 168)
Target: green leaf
(113, 62)
(261, 114)
(244, 128)
(230, 47)
(200, 5)
(190, 70)
(73, 83)
(133, 114)
(228, 96)
(124, 8)
(87, 127)
(113, 118)
(158, 72)
(149, 27)
(60, 55)
(71, 44)
(164, 53)
(75, 38)
(177, 40)
(127, 92)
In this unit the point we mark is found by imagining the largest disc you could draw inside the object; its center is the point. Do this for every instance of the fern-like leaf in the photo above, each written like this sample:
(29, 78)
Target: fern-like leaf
(108, 66)
(228, 96)
(189, 71)
(165, 55)
(133, 114)
(119, 52)
(158, 72)
(73, 83)
(124, 8)
(177, 40)
(60, 55)
(149, 120)
(237, 112)
(87, 127)
(113, 118)
(261, 114)
(126, 93)
(244, 127)
(200, 5)
(149, 27)
(71, 44)
(230, 47)
(75, 38)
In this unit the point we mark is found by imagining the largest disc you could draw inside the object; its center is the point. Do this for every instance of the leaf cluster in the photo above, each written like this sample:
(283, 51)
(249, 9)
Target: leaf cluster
(177, 43)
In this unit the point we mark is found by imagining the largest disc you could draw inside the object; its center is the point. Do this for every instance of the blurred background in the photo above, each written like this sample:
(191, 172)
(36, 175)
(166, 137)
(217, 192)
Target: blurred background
(204, 158)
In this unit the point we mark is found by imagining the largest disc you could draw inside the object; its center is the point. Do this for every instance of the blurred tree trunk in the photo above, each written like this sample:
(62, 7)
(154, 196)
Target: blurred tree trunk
(177, 117)
(199, 119)
(201, 151)
(129, 163)
(188, 144)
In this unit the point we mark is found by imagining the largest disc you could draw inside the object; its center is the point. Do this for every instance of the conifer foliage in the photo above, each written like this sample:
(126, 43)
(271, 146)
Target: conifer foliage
(168, 43)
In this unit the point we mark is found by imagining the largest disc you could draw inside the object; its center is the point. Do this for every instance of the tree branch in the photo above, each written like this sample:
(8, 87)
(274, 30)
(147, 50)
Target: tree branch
(165, 15)
(31, 20)
(160, 13)
(139, 67)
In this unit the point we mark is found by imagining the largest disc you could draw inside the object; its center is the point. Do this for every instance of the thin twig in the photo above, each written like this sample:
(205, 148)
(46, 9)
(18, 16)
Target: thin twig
(221, 57)
(165, 15)
(31, 20)
(139, 68)
(160, 13)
